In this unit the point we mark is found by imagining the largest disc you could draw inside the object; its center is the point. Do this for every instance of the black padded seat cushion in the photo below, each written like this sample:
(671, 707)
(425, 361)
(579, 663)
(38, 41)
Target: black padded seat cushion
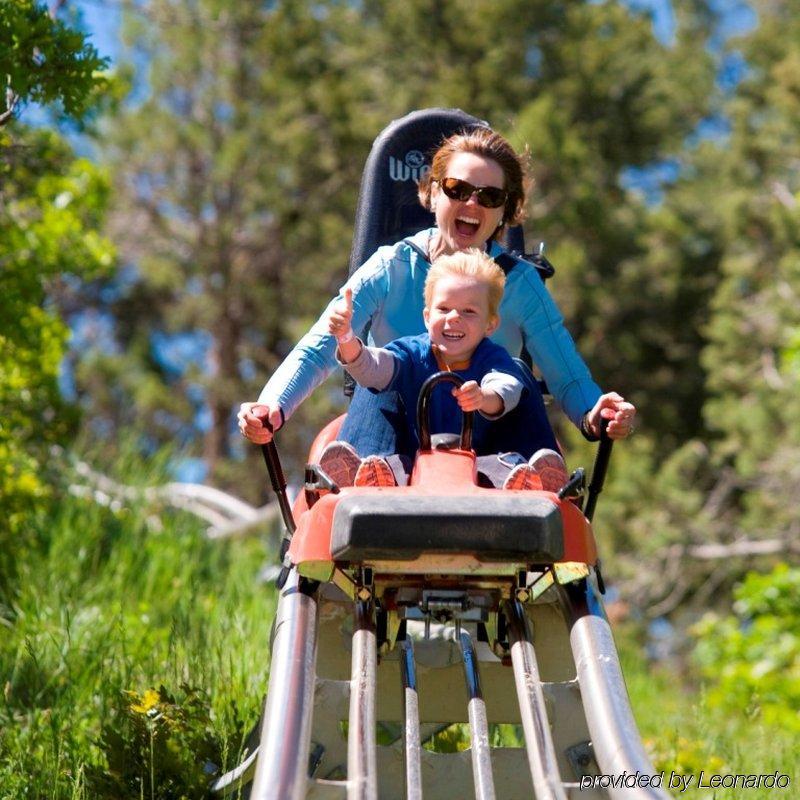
(501, 527)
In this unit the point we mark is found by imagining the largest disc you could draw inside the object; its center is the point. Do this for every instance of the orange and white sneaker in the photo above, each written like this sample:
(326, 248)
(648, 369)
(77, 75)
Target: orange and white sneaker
(550, 467)
(545, 470)
(374, 471)
(523, 476)
(340, 462)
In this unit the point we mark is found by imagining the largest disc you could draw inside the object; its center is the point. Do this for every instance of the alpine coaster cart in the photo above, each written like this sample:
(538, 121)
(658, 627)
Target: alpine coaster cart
(404, 610)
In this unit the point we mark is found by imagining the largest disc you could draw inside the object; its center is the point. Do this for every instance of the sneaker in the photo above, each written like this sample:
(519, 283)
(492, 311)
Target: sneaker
(340, 462)
(374, 471)
(511, 459)
(523, 476)
(550, 467)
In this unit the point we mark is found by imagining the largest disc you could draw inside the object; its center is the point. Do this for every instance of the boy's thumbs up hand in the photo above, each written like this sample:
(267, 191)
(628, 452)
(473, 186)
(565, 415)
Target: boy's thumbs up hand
(341, 316)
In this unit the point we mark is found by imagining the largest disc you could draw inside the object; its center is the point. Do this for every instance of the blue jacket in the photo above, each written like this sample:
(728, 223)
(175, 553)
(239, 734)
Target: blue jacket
(388, 294)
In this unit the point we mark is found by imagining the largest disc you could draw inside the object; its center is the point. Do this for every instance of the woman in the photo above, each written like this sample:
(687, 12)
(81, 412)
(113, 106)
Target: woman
(475, 188)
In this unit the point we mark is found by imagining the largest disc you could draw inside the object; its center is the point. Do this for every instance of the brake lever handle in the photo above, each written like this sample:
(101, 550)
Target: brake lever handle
(273, 462)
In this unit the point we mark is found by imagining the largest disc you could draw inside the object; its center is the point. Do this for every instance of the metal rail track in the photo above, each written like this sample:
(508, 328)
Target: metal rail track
(571, 704)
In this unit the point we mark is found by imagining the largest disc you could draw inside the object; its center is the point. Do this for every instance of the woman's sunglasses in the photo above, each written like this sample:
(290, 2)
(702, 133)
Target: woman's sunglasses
(487, 196)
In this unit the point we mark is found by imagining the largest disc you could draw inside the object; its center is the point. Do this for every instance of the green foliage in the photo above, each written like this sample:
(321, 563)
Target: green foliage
(156, 740)
(42, 60)
(52, 205)
(121, 610)
(48, 232)
(611, 97)
(236, 176)
(711, 293)
(730, 228)
(684, 731)
(684, 756)
(752, 657)
(456, 737)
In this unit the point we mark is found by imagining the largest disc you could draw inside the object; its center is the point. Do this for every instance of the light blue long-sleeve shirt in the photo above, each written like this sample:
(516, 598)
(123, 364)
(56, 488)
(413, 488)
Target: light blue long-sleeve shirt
(388, 295)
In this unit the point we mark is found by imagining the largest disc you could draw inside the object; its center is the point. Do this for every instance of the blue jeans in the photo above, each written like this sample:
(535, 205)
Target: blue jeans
(376, 424)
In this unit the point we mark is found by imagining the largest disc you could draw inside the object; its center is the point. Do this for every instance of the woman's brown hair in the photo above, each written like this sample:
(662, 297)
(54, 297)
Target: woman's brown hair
(486, 143)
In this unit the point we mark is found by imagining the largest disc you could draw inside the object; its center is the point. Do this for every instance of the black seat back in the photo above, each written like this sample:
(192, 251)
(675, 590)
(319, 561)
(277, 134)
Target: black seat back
(388, 208)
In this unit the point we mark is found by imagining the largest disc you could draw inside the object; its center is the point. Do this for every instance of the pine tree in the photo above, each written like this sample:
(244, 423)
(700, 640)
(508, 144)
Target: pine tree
(238, 168)
(730, 228)
(751, 358)
(237, 174)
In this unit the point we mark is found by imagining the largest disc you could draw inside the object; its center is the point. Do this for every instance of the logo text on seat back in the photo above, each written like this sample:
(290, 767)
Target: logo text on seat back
(411, 167)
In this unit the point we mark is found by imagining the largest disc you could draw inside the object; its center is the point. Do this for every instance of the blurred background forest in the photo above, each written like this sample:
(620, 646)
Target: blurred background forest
(175, 212)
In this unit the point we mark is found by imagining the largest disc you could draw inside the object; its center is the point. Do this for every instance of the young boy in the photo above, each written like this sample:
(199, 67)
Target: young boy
(462, 296)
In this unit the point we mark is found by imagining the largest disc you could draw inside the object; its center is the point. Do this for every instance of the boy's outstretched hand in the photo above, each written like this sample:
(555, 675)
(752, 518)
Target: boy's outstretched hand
(340, 324)
(471, 397)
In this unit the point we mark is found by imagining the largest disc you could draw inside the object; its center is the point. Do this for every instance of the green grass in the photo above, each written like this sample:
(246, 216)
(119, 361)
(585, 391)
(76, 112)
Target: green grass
(105, 607)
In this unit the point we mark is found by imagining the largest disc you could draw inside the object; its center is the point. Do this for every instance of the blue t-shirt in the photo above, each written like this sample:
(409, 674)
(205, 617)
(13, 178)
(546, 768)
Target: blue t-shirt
(415, 362)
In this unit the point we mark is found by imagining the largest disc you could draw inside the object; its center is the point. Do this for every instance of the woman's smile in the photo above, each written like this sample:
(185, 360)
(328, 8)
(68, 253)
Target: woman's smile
(466, 223)
(467, 226)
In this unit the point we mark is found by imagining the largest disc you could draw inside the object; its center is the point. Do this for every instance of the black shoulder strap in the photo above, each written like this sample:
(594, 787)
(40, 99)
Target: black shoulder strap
(506, 262)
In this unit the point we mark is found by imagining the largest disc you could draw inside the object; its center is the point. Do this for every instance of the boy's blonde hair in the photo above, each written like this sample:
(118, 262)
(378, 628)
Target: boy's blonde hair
(472, 263)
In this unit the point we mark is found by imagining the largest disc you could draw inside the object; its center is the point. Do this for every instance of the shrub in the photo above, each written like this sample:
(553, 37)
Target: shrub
(751, 658)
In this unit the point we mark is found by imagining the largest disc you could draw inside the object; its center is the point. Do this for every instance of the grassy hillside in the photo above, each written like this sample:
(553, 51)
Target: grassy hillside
(134, 654)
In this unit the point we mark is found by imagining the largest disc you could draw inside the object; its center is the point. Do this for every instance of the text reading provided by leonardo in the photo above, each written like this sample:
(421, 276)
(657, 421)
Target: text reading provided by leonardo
(680, 783)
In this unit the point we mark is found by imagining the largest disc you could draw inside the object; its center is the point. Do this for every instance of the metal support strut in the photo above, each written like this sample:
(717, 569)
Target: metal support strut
(542, 758)
(411, 722)
(615, 739)
(281, 769)
(478, 724)
(362, 771)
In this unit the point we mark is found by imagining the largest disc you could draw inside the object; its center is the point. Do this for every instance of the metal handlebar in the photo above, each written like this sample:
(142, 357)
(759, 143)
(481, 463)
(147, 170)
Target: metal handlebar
(273, 462)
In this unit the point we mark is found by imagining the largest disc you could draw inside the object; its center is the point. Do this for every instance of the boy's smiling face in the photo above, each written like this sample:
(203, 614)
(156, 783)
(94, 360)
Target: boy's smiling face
(458, 316)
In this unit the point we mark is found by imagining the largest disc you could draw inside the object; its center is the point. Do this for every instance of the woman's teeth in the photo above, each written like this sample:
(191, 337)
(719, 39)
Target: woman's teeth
(467, 225)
